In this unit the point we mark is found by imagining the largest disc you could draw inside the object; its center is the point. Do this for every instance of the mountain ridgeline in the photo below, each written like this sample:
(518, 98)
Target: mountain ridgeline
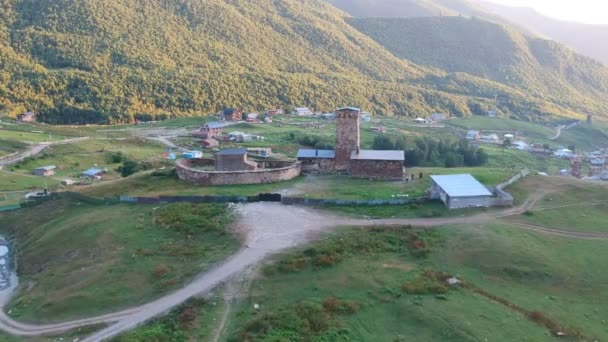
(496, 52)
(88, 61)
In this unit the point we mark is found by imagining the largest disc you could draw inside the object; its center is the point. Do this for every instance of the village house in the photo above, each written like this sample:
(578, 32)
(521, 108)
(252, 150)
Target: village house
(27, 117)
(348, 157)
(209, 130)
(252, 117)
(303, 111)
(93, 173)
(45, 171)
(473, 135)
(233, 160)
(232, 114)
(564, 153)
(420, 121)
(274, 112)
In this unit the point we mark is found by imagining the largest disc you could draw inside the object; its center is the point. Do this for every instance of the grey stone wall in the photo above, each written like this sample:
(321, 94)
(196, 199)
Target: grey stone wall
(187, 173)
(377, 169)
(233, 163)
(319, 165)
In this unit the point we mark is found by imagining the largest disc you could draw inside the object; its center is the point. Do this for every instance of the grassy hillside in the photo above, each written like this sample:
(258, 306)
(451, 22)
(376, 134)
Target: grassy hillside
(542, 68)
(118, 255)
(81, 61)
(381, 285)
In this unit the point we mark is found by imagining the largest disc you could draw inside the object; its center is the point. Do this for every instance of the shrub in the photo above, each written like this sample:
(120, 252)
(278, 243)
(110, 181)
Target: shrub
(116, 158)
(160, 271)
(337, 306)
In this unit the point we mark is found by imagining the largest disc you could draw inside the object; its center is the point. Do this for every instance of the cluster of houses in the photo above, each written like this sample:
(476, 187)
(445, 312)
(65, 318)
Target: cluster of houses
(94, 173)
(212, 133)
(432, 119)
(237, 115)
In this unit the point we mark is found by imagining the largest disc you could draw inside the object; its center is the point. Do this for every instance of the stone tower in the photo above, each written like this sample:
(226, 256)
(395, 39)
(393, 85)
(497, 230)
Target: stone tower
(347, 136)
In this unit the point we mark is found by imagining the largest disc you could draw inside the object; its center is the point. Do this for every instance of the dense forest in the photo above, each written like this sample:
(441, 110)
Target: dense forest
(89, 61)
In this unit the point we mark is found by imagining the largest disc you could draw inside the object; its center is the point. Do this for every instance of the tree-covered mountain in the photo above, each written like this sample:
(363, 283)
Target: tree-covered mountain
(77, 61)
(492, 51)
(587, 39)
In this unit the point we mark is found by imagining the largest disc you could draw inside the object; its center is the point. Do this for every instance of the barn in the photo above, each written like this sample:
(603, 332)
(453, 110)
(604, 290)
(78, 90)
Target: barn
(460, 191)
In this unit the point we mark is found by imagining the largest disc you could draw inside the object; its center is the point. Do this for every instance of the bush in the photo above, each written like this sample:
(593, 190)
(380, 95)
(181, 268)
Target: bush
(160, 271)
(116, 158)
(429, 282)
(337, 306)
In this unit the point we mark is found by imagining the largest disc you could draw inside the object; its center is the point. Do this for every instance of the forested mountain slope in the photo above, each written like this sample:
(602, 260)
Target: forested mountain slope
(590, 40)
(78, 61)
(492, 51)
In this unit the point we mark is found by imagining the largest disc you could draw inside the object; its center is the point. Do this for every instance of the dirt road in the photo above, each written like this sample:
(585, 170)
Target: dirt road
(288, 226)
(35, 150)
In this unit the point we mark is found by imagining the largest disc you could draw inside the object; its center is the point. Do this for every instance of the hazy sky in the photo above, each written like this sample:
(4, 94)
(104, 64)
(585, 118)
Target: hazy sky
(586, 11)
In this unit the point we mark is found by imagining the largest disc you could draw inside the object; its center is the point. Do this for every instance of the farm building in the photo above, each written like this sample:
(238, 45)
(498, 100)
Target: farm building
(460, 191)
(93, 173)
(348, 156)
(233, 160)
(192, 154)
(209, 130)
(45, 171)
(232, 114)
(27, 117)
(420, 121)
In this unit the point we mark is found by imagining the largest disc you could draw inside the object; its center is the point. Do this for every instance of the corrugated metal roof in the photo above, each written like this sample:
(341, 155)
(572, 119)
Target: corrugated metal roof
(232, 152)
(348, 108)
(323, 154)
(92, 172)
(214, 124)
(461, 185)
(378, 155)
(47, 168)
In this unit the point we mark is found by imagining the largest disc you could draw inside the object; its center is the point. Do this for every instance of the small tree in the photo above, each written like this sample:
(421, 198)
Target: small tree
(507, 143)
(382, 142)
(128, 168)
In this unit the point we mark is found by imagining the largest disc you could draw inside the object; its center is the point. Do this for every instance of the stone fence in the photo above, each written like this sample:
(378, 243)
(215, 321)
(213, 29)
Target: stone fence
(187, 171)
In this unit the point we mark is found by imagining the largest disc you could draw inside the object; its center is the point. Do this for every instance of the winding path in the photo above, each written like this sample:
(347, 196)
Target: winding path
(288, 226)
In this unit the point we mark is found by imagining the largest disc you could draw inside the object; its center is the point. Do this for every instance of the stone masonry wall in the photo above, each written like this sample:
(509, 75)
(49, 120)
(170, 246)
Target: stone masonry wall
(320, 165)
(187, 173)
(347, 137)
(377, 169)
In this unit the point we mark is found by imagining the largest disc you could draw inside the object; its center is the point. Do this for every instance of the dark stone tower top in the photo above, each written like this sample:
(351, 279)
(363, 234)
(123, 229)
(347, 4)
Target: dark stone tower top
(347, 135)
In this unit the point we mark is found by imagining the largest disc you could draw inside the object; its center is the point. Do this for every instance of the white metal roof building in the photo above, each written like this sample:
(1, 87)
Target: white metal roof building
(460, 191)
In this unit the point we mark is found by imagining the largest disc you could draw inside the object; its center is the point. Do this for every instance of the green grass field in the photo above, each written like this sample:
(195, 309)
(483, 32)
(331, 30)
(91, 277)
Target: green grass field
(78, 259)
(386, 285)
(573, 205)
(11, 181)
(72, 159)
(30, 137)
